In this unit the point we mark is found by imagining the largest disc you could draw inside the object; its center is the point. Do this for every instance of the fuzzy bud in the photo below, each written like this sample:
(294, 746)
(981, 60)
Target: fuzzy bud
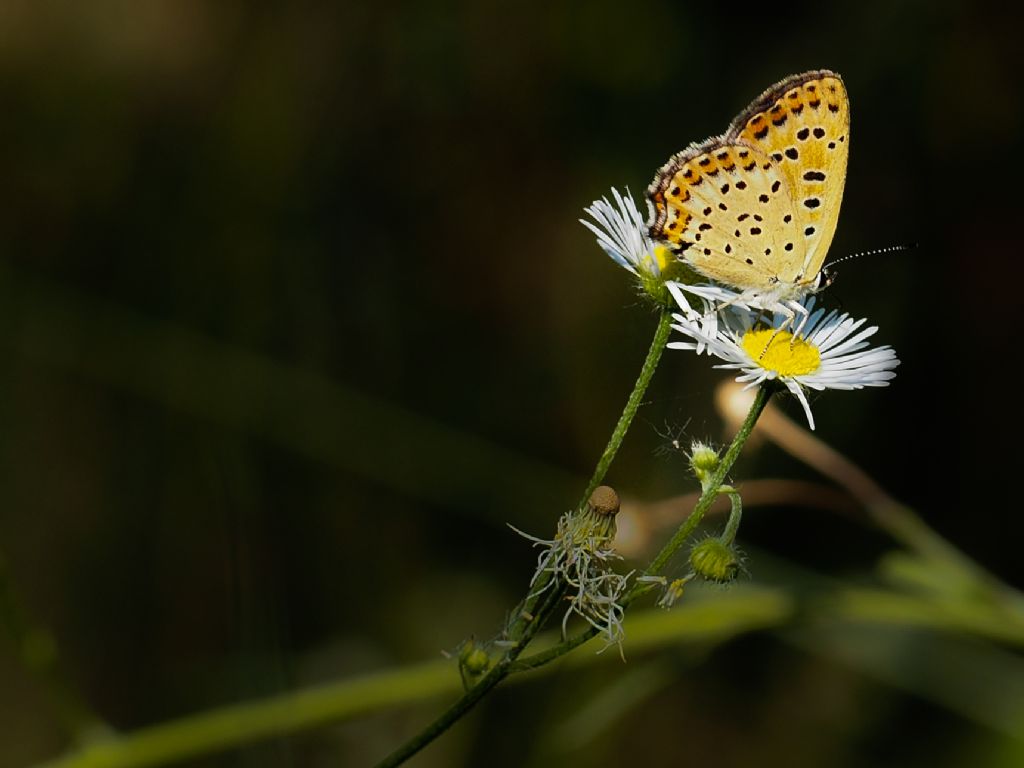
(714, 560)
(703, 461)
(473, 663)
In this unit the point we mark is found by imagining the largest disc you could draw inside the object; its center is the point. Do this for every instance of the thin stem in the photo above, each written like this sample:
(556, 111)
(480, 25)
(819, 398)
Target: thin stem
(633, 404)
(710, 492)
(735, 516)
(900, 522)
(526, 611)
(532, 613)
(737, 610)
(232, 726)
(457, 710)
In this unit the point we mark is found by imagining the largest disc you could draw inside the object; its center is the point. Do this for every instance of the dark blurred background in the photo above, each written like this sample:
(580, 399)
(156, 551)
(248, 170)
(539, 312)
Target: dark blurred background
(296, 314)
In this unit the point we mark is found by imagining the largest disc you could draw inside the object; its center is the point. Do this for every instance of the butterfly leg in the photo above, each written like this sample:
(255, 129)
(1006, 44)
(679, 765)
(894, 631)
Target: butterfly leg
(789, 310)
(798, 309)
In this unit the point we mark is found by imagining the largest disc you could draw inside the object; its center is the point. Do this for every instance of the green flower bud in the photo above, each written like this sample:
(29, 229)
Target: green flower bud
(714, 560)
(474, 661)
(703, 461)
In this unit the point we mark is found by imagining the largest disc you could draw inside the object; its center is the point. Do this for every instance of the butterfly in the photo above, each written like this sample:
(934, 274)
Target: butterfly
(756, 208)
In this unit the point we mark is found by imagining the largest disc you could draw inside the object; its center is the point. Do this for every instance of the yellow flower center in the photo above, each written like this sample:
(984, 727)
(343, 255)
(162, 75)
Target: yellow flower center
(778, 351)
(663, 256)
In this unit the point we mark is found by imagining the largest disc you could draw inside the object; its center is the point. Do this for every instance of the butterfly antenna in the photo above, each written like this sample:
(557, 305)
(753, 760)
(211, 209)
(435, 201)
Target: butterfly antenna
(872, 252)
(831, 276)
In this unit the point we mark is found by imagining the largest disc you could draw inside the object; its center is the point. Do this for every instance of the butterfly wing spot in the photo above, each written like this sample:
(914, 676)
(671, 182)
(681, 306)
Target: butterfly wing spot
(810, 150)
(756, 193)
(770, 164)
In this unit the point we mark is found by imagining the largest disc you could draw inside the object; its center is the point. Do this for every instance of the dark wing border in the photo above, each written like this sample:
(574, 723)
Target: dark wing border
(656, 219)
(766, 100)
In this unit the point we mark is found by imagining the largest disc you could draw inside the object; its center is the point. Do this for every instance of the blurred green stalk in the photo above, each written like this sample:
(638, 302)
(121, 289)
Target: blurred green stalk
(728, 614)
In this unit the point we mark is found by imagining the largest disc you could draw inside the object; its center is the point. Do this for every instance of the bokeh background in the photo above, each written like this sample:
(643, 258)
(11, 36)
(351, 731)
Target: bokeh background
(296, 315)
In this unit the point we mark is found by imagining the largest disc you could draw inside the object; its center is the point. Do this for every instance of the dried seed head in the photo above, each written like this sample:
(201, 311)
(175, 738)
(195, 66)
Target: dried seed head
(604, 500)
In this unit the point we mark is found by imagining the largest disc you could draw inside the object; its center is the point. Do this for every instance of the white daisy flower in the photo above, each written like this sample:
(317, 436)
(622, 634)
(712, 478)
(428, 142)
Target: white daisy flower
(830, 351)
(622, 233)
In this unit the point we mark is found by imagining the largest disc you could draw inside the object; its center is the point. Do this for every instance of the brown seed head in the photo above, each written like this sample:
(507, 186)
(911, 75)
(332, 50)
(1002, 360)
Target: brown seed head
(604, 500)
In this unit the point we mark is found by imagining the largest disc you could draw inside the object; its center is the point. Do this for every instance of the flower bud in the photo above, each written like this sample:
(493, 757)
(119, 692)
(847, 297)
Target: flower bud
(703, 461)
(714, 560)
(473, 663)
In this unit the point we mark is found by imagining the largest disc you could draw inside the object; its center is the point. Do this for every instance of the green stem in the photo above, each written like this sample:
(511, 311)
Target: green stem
(526, 612)
(735, 516)
(710, 492)
(633, 404)
(457, 710)
(714, 484)
(532, 613)
(235, 725)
